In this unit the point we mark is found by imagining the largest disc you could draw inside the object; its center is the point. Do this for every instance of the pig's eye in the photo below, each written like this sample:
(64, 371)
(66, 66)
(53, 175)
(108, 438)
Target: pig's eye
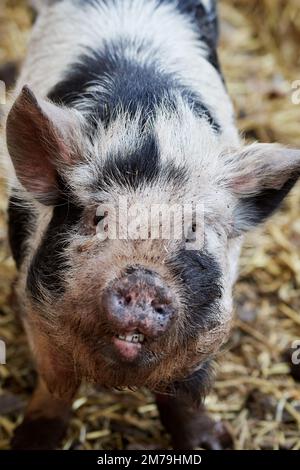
(98, 219)
(190, 235)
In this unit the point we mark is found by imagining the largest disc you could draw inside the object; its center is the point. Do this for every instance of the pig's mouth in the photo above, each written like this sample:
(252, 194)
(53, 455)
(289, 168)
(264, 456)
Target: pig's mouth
(134, 337)
(129, 345)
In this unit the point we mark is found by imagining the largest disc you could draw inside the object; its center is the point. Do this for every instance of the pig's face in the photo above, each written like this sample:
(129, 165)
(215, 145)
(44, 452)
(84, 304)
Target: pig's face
(121, 311)
(141, 312)
(129, 312)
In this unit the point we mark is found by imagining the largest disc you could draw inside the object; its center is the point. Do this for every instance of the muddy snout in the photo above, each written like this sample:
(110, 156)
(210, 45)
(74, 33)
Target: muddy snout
(139, 302)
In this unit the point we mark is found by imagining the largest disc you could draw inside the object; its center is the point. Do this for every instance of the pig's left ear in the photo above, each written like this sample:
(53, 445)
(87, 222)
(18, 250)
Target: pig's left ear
(260, 175)
(38, 135)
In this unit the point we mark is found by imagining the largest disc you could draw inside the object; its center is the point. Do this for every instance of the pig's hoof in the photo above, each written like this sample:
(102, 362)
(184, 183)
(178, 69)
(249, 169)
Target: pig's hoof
(39, 434)
(205, 433)
(217, 437)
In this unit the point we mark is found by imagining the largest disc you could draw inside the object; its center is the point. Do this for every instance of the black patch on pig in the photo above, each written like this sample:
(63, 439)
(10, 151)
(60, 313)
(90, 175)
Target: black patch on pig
(21, 221)
(142, 165)
(206, 22)
(128, 85)
(256, 209)
(199, 275)
(196, 386)
(50, 262)
(199, 108)
(132, 86)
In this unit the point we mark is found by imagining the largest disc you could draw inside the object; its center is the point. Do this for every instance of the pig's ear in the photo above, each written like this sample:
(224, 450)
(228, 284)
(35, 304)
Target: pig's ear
(37, 141)
(260, 175)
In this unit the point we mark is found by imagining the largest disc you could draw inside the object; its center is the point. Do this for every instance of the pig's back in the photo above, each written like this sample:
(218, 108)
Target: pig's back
(131, 51)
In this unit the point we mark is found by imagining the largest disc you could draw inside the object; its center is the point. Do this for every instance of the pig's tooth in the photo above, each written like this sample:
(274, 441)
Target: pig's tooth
(134, 338)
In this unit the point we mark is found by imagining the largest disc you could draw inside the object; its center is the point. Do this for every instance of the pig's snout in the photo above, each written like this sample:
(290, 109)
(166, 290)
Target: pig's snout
(140, 304)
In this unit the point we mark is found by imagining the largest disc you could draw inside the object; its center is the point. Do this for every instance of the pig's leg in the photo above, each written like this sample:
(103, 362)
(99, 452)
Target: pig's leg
(45, 422)
(191, 426)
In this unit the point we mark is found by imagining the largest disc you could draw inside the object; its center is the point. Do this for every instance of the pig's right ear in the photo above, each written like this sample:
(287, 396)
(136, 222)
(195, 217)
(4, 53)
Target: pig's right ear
(37, 140)
(260, 176)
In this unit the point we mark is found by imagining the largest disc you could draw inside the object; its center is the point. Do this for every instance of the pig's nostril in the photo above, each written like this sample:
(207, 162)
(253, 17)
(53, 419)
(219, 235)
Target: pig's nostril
(158, 308)
(128, 299)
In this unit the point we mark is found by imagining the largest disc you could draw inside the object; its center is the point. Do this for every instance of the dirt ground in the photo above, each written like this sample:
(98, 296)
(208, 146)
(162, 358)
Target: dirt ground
(255, 392)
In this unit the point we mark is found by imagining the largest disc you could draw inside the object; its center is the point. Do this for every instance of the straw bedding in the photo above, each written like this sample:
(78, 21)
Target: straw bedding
(255, 392)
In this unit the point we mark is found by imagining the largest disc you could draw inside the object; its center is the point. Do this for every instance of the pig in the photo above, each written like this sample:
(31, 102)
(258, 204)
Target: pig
(126, 99)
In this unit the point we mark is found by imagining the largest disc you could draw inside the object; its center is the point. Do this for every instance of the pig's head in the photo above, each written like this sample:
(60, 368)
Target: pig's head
(128, 312)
